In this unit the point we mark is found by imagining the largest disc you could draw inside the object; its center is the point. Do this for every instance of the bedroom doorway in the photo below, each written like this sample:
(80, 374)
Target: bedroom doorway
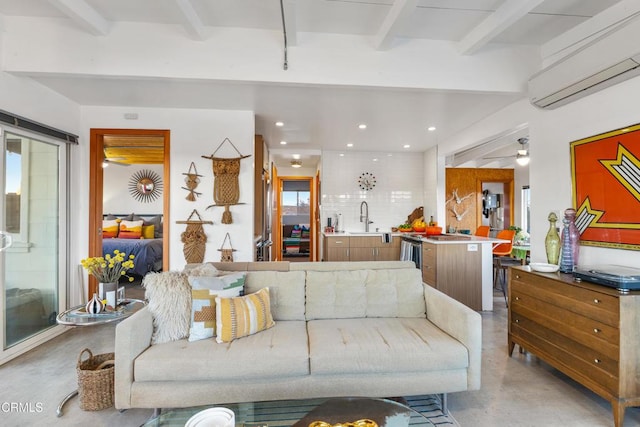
(136, 154)
(296, 211)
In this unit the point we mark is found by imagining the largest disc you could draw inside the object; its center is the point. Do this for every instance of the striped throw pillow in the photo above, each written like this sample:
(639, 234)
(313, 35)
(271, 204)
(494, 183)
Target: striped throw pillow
(110, 228)
(243, 316)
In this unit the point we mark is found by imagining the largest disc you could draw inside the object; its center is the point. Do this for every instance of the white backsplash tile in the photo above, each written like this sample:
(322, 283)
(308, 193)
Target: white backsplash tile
(398, 190)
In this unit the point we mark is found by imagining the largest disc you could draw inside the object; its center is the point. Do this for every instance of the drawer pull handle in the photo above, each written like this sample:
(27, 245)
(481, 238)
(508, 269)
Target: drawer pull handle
(517, 276)
(517, 298)
(596, 331)
(517, 320)
(597, 360)
(596, 301)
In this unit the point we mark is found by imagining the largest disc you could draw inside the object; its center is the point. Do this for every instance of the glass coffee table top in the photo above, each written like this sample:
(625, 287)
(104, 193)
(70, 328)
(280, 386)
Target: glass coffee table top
(301, 413)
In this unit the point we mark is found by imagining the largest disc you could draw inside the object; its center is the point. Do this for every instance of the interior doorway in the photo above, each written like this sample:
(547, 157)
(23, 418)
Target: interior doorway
(297, 210)
(133, 147)
(497, 205)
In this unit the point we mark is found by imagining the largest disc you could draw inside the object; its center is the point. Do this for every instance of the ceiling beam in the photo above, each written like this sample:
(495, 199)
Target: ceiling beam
(506, 15)
(191, 20)
(394, 19)
(583, 33)
(83, 15)
(289, 10)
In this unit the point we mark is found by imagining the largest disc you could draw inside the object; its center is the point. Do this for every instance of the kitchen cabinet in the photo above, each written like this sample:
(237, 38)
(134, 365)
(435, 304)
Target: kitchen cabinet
(587, 331)
(361, 248)
(336, 248)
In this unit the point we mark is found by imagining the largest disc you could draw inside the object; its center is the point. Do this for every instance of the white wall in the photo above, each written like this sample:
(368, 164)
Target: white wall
(398, 191)
(194, 133)
(117, 198)
(550, 173)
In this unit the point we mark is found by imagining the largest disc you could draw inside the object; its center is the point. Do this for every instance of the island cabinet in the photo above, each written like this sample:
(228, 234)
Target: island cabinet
(429, 263)
(361, 248)
(589, 332)
(336, 248)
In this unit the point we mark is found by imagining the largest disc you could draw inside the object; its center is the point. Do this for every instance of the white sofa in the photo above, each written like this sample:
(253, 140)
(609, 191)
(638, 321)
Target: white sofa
(341, 329)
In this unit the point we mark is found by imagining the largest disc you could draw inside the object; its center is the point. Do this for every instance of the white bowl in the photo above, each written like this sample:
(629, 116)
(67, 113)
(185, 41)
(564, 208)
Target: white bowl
(543, 267)
(213, 417)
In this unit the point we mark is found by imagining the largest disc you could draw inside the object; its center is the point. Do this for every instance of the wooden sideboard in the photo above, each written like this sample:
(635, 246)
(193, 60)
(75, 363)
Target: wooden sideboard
(589, 332)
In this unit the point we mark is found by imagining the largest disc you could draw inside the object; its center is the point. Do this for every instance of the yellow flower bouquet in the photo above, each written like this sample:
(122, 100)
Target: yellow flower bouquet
(110, 268)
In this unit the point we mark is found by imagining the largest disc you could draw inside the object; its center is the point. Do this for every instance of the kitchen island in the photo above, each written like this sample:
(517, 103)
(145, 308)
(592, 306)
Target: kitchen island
(460, 266)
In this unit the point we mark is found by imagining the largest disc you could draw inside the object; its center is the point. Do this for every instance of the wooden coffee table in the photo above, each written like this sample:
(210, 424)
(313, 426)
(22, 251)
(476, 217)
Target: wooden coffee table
(301, 413)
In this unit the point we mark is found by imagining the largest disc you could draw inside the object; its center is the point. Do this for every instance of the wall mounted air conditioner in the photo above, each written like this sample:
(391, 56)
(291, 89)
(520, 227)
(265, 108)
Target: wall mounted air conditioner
(609, 59)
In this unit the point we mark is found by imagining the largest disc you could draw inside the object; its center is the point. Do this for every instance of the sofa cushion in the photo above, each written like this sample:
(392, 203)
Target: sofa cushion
(243, 316)
(281, 351)
(372, 345)
(336, 294)
(204, 290)
(286, 289)
(395, 293)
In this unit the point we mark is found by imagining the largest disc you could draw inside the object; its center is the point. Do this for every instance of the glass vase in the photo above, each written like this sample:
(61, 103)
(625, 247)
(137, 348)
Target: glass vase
(552, 241)
(570, 242)
(108, 291)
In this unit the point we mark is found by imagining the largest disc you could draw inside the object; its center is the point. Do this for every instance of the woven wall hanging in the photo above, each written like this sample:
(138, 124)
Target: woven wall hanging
(192, 179)
(226, 188)
(226, 252)
(194, 238)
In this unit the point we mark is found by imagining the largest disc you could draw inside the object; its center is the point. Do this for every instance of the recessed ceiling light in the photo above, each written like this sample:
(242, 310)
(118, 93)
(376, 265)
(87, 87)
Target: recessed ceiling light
(283, 142)
(295, 156)
(389, 155)
(341, 154)
(350, 145)
(279, 124)
(406, 146)
(362, 126)
(375, 160)
(431, 128)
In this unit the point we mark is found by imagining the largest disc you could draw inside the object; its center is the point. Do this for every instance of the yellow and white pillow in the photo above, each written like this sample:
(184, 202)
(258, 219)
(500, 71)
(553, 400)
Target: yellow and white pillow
(243, 316)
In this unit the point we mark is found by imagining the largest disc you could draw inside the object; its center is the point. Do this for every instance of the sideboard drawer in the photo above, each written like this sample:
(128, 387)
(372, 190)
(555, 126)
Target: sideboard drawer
(595, 305)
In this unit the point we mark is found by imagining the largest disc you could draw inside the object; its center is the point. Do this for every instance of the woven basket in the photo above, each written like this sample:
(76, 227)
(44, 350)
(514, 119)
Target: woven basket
(95, 380)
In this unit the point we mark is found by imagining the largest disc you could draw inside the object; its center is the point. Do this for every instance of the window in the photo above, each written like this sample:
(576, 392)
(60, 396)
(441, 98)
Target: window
(296, 202)
(17, 188)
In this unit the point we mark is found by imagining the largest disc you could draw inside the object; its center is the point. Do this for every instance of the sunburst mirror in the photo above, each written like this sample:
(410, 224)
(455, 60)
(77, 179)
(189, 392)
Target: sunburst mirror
(145, 186)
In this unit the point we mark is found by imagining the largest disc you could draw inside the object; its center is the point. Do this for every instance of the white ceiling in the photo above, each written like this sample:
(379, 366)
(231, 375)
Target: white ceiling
(323, 117)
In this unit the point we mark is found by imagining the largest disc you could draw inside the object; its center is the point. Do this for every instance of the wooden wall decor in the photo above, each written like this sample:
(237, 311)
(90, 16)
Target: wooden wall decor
(470, 180)
(226, 188)
(194, 238)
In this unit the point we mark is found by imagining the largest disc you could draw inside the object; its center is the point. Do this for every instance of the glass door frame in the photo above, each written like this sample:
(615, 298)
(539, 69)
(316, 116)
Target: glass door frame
(63, 246)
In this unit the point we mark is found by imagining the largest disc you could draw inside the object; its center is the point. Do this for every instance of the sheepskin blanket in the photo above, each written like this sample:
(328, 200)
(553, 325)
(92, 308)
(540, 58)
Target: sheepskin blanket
(169, 296)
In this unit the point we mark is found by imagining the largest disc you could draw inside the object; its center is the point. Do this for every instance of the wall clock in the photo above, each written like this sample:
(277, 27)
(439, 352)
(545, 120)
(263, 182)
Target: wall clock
(367, 181)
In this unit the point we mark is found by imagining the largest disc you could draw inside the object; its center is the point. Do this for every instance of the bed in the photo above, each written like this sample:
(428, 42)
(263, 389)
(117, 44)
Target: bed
(147, 251)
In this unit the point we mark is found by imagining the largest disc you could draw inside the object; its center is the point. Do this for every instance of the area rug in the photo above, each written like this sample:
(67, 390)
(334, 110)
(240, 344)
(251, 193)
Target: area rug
(286, 413)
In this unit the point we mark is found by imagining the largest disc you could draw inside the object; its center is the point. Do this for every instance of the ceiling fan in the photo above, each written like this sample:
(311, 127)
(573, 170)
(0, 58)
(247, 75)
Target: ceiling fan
(522, 155)
(106, 161)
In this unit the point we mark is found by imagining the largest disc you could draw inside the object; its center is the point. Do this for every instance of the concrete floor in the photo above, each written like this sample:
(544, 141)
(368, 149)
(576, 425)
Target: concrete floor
(516, 391)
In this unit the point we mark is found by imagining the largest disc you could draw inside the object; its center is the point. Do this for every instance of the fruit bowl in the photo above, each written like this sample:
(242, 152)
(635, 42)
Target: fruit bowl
(433, 230)
(405, 230)
(419, 229)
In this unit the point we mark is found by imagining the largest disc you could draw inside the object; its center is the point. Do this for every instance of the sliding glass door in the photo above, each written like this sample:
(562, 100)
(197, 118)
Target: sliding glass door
(33, 216)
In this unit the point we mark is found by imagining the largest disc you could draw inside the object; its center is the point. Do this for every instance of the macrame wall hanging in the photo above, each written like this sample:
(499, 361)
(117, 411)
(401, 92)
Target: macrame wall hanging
(226, 188)
(192, 179)
(194, 238)
(226, 252)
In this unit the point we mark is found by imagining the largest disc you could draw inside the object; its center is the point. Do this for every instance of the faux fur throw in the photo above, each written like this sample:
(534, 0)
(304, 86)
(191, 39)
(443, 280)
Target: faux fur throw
(169, 295)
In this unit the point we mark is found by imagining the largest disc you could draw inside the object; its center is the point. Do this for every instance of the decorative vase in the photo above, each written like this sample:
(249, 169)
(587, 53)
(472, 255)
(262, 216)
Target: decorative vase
(108, 291)
(94, 306)
(570, 242)
(552, 241)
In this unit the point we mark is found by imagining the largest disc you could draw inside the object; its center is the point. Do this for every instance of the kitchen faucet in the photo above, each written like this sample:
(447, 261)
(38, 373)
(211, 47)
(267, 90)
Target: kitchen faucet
(365, 217)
